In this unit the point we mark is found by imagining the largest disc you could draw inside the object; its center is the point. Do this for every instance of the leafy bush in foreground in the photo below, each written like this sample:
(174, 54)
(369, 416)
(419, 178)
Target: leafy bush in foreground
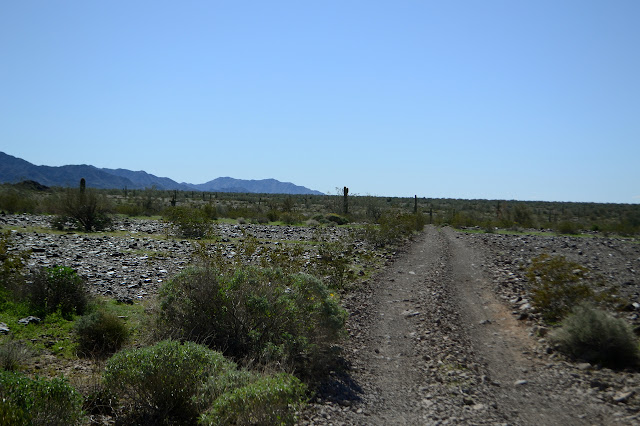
(265, 401)
(165, 379)
(593, 335)
(177, 382)
(38, 401)
(253, 313)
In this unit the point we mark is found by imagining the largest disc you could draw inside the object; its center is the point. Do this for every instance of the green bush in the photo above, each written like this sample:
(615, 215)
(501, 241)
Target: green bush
(266, 401)
(253, 313)
(176, 383)
(558, 285)
(57, 288)
(165, 380)
(595, 336)
(100, 333)
(38, 401)
(189, 222)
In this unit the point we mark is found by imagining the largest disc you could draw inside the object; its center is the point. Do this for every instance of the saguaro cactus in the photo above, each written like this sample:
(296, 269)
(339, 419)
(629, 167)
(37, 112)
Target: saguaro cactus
(345, 201)
(415, 204)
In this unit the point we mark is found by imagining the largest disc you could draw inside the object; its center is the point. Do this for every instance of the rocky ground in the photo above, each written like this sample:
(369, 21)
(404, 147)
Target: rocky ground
(134, 262)
(443, 335)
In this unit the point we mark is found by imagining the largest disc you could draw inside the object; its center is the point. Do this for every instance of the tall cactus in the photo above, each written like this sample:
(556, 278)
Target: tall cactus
(345, 201)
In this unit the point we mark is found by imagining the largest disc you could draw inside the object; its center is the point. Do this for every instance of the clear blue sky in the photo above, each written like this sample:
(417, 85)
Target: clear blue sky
(527, 100)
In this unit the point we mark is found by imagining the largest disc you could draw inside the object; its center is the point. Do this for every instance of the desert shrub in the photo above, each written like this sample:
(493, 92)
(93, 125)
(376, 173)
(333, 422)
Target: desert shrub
(336, 218)
(254, 313)
(14, 201)
(13, 354)
(189, 222)
(165, 380)
(273, 215)
(332, 264)
(100, 401)
(100, 333)
(522, 216)
(595, 336)
(85, 208)
(286, 257)
(210, 211)
(130, 209)
(271, 400)
(262, 220)
(567, 227)
(393, 228)
(12, 265)
(57, 288)
(559, 284)
(291, 218)
(38, 401)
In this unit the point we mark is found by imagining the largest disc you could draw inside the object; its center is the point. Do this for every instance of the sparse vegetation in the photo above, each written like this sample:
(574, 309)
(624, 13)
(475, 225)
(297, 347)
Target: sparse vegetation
(267, 302)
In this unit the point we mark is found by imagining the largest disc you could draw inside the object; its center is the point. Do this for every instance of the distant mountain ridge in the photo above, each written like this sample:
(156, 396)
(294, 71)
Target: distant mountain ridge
(13, 170)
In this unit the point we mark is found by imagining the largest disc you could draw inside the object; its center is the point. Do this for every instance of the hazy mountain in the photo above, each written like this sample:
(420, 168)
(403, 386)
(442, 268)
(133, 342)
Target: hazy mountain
(13, 170)
(145, 180)
(264, 186)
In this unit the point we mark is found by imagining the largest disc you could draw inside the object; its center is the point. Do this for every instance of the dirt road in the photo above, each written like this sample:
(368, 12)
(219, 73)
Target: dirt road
(432, 344)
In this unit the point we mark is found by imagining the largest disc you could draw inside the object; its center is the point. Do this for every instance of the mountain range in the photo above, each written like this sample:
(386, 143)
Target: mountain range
(13, 170)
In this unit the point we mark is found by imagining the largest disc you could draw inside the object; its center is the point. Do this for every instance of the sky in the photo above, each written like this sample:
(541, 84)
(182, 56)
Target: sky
(491, 99)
